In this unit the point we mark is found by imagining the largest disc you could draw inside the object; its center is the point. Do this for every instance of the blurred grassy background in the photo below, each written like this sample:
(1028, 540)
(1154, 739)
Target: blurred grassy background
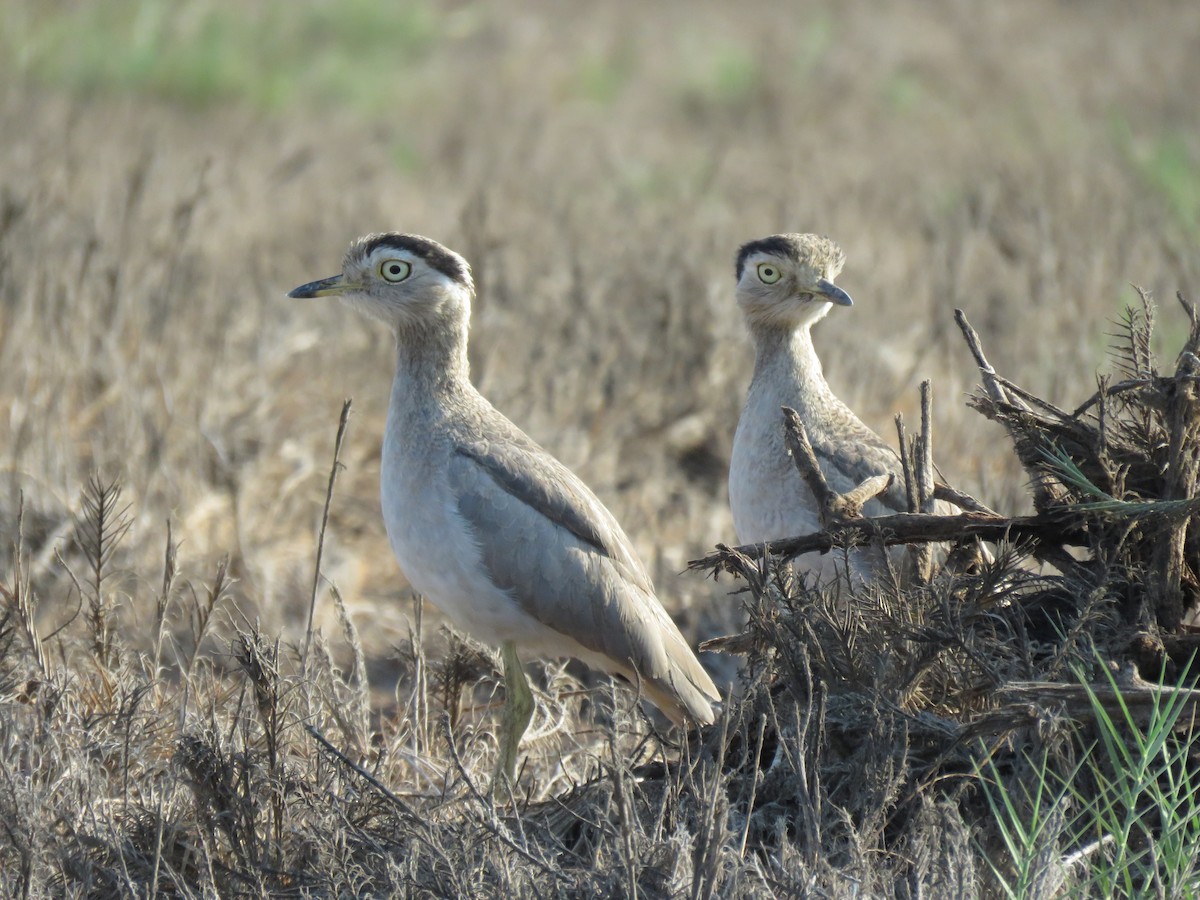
(170, 169)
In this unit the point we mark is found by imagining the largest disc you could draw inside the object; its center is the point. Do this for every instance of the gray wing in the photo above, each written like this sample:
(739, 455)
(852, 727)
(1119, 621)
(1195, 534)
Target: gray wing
(542, 483)
(548, 541)
(849, 463)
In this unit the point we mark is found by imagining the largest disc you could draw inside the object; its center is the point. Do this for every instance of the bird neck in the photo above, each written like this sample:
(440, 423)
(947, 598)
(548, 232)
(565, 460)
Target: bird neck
(431, 362)
(786, 358)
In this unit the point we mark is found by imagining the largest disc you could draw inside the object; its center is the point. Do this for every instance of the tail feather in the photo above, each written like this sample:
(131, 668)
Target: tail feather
(685, 690)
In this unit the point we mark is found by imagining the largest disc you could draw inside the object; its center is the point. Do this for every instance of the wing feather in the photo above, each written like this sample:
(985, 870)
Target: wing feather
(548, 541)
(538, 480)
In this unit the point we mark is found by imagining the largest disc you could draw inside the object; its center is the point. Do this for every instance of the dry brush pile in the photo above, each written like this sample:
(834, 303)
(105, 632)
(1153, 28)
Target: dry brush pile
(903, 695)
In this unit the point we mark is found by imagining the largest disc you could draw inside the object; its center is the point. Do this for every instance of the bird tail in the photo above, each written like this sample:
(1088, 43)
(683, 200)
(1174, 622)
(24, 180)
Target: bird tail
(685, 690)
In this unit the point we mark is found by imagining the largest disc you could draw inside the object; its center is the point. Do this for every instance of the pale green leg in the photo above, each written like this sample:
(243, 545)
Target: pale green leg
(518, 710)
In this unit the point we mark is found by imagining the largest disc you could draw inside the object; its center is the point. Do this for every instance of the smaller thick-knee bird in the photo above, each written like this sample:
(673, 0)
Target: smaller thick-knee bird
(784, 287)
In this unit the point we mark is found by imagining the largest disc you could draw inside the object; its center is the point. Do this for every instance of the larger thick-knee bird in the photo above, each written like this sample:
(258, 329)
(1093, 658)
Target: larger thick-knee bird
(784, 287)
(495, 531)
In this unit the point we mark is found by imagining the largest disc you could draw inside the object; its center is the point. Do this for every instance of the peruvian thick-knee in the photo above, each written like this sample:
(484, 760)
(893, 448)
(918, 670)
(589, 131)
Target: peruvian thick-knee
(491, 528)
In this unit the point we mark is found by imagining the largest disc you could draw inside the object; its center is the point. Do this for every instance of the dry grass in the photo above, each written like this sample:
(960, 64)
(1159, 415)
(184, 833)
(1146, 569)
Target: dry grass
(1022, 161)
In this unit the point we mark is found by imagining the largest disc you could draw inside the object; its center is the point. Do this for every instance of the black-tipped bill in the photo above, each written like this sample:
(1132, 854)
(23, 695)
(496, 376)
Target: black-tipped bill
(830, 292)
(326, 287)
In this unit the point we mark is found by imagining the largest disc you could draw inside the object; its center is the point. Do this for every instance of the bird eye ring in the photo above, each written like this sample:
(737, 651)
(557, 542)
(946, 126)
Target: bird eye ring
(768, 274)
(394, 270)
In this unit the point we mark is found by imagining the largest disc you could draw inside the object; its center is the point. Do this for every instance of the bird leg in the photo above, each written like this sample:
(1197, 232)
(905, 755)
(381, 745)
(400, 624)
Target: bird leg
(518, 710)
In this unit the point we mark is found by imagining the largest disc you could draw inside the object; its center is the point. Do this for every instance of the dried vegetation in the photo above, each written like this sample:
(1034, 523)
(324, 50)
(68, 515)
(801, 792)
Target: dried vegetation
(173, 719)
(1076, 621)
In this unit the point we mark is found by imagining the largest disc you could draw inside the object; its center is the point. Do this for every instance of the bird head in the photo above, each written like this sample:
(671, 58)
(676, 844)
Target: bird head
(404, 280)
(786, 280)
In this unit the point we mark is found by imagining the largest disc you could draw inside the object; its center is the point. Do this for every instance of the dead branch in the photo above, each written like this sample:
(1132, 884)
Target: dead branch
(850, 504)
(805, 459)
(964, 501)
(922, 456)
(834, 508)
(1140, 698)
(903, 528)
(991, 383)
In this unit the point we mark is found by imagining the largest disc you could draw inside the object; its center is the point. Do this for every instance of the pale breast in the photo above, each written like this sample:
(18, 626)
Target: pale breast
(768, 498)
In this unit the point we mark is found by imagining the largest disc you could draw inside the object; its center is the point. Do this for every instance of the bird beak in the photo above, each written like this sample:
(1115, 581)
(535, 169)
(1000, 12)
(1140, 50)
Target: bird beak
(326, 287)
(833, 293)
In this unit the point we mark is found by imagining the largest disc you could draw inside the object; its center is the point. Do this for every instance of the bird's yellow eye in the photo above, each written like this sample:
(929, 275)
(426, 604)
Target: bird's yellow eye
(394, 270)
(768, 273)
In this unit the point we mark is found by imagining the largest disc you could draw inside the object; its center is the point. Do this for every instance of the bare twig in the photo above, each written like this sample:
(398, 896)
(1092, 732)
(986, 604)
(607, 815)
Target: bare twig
(902, 528)
(806, 462)
(922, 463)
(1182, 478)
(910, 479)
(964, 501)
(361, 772)
(990, 382)
(833, 507)
(850, 504)
(1139, 699)
(924, 459)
